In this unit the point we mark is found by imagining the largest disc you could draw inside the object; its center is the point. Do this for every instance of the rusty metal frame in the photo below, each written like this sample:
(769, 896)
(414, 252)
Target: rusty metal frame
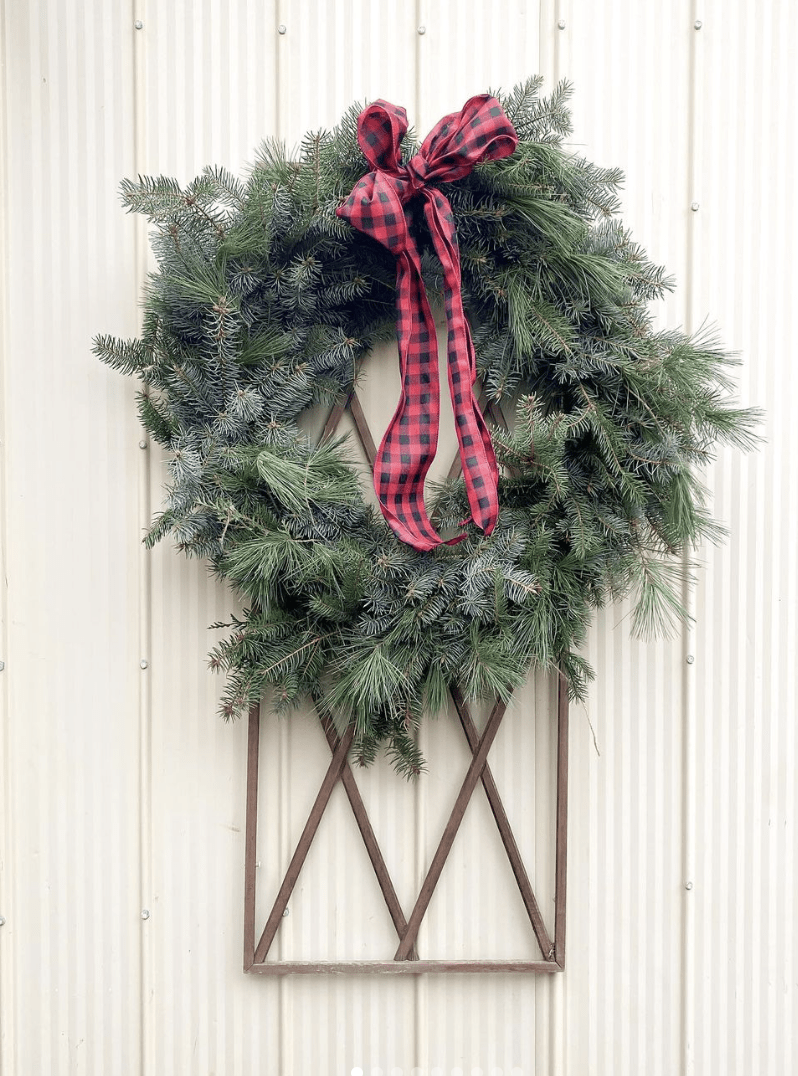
(406, 959)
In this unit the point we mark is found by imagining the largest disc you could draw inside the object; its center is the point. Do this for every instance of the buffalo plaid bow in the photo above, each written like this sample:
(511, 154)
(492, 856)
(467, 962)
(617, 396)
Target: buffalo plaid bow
(376, 206)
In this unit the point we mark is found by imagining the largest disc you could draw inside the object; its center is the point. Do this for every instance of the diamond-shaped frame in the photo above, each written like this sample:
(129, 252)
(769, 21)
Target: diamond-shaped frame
(406, 959)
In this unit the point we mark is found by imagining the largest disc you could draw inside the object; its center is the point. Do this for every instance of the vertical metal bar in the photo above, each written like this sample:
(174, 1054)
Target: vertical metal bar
(251, 836)
(562, 821)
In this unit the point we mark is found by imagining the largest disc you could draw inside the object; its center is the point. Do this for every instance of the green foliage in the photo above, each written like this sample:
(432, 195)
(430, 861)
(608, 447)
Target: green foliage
(265, 304)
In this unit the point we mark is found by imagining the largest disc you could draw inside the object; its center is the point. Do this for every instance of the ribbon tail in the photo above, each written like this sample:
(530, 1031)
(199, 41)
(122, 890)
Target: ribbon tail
(411, 440)
(480, 471)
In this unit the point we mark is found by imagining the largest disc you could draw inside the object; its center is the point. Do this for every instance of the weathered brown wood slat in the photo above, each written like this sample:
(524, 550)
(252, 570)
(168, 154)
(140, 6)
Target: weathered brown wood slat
(308, 833)
(401, 967)
(492, 408)
(336, 413)
(369, 837)
(362, 427)
(450, 832)
(505, 830)
(562, 821)
(251, 835)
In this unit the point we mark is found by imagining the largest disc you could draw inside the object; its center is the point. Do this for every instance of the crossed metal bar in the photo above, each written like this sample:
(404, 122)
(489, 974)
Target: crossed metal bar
(406, 957)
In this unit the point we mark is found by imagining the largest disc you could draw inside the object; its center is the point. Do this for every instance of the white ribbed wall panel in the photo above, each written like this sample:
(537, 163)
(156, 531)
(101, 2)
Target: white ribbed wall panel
(743, 983)
(629, 64)
(123, 789)
(71, 587)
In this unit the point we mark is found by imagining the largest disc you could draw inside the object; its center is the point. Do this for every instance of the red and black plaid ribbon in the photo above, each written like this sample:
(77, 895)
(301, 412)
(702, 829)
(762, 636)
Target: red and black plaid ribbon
(376, 206)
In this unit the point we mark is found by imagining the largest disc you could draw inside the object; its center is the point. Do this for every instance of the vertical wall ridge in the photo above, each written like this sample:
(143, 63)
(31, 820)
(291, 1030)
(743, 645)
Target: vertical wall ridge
(70, 506)
(423, 10)
(689, 656)
(7, 956)
(285, 1053)
(138, 15)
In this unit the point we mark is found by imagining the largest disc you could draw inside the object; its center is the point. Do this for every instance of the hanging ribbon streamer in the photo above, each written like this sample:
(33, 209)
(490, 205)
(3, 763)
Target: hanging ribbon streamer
(376, 206)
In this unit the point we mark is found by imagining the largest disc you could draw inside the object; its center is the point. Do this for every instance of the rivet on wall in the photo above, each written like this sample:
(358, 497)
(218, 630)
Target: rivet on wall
(697, 24)
(694, 206)
(422, 29)
(561, 24)
(139, 24)
(281, 29)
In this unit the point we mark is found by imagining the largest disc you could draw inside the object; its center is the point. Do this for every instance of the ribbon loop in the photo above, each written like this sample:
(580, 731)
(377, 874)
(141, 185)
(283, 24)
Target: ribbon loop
(480, 131)
(380, 130)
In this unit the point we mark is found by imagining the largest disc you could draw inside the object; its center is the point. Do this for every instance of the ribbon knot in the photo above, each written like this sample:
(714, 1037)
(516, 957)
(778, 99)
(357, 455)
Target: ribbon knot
(417, 171)
(376, 206)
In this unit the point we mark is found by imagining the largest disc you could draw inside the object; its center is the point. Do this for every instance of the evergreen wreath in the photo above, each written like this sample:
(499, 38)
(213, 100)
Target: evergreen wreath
(265, 304)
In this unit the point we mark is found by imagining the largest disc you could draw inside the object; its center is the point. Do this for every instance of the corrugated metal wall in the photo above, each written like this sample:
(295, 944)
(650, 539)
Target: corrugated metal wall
(123, 792)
